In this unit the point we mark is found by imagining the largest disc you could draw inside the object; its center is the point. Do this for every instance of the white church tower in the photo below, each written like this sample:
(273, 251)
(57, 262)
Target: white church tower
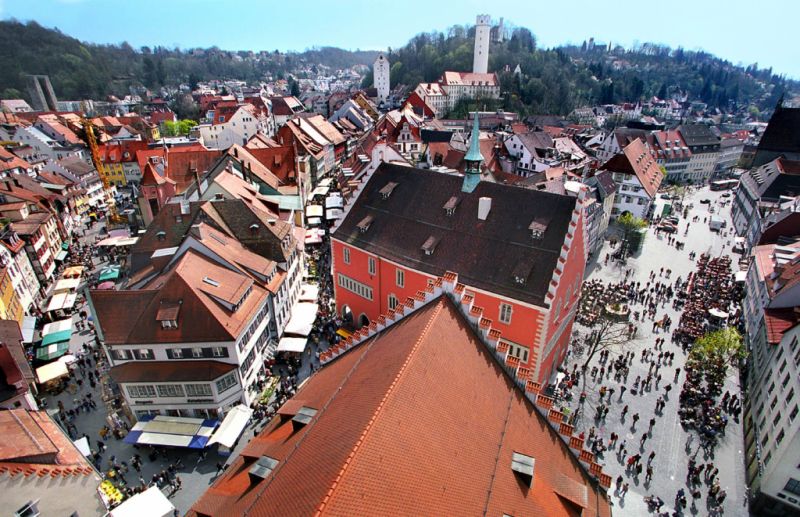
(480, 62)
(380, 77)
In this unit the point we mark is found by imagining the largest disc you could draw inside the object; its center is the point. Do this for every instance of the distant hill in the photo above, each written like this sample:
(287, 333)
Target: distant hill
(558, 80)
(552, 81)
(81, 70)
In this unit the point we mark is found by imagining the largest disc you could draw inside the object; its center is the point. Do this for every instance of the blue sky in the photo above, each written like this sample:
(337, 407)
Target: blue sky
(740, 31)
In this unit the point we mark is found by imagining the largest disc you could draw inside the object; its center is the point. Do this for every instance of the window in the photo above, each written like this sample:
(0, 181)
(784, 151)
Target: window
(783, 366)
(197, 390)
(790, 395)
(400, 278)
(371, 264)
(792, 486)
(122, 355)
(779, 438)
(793, 414)
(785, 381)
(773, 403)
(392, 301)
(141, 392)
(219, 351)
(226, 383)
(169, 324)
(346, 255)
(169, 390)
(354, 286)
(518, 351)
(767, 458)
(776, 419)
(505, 312)
(771, 388)
(143, 354)
(197, 352)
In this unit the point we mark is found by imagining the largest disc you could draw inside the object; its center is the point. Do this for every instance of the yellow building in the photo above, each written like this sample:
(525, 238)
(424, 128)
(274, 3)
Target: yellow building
(114, 173)
(10, 308)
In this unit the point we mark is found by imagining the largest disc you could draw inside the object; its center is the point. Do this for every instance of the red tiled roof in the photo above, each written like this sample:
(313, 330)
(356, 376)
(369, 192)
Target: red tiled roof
(778, 321)
(636, 159)
(402, 428)
(10, 161)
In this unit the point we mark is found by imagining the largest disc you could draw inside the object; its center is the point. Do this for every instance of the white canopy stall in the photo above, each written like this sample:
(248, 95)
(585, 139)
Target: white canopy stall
(150, 503)
(232, 426)
(296, 345)
(301, 322)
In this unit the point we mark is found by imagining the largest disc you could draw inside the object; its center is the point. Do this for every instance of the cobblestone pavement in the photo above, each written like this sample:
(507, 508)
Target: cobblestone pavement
(667, 439)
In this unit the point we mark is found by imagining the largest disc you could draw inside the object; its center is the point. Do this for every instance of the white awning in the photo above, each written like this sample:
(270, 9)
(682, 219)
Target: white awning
(292, 344)
(325, 183)
(740, 276)
(57, 326)
(66, 284)
(233, 425)
(302, 319)
(83, 446)
(129, 241)
(320, 191)
(51, 371)
(150, 503)
(334, 213)
(334, 201)
(314, 236)
(314, 221)
(309, 293)
(314, 211)
(28, 328)
(61, 301)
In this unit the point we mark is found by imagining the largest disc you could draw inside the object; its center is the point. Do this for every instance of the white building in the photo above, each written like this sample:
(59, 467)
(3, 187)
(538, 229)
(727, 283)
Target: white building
(380, 74)
(771, 423)
(18, 265)
(637, 176)
(533, 152)
(704, 146)
(231, 126)
(480, 58)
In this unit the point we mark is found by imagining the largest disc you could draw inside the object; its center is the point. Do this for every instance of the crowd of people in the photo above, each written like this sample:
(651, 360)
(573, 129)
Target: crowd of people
(708, 288)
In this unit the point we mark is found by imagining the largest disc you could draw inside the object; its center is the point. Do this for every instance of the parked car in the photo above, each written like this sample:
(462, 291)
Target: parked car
(705, 201)
(672, 219)
(726, 194)
(669, 228)
(665, 196)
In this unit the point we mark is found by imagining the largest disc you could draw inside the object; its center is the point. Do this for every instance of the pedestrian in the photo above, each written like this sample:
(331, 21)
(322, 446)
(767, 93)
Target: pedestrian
(624, 412)
(624, 490)
(619, 483)
(652, 424)
(651, 457)
(635, 419)
(622, 391)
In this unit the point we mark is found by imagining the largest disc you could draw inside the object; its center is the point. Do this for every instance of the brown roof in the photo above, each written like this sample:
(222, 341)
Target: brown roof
(402, 428)
(779, 321)
(11, 336)
(170, 371)
(33, 443)
(483, 253)
(132, 316)
(636, 159)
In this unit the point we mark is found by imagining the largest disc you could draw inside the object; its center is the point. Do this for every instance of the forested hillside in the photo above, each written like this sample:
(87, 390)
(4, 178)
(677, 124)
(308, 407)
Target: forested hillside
(80, 70)
(551, 81)
(558, 80)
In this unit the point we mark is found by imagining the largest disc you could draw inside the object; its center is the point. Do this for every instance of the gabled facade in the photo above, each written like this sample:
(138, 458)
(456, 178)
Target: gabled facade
(704, 146)
(231, 126)
(405, 226)
(637, 176)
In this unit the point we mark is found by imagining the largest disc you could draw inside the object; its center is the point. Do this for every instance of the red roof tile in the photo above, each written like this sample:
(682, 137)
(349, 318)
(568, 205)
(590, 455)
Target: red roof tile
(778, 321)
(402, 428)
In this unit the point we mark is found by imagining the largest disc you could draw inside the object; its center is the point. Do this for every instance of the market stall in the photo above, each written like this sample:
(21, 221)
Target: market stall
(294, 345)
(334, 213)
(301, 321)
(334, 201)
(108, 273)
(73, 272)
(314, 236)
(66, 285)
(314, 211)
(309, 293)
(50, 352)
(150, 503)
(61, 302)
(52, 371)
(231, 428)
(172, 431)
(28, 329)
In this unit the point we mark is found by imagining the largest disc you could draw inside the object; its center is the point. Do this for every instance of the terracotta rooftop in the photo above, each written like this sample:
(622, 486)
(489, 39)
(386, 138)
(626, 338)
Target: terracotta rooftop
(637, 160)
(398, 426)
(779, 321)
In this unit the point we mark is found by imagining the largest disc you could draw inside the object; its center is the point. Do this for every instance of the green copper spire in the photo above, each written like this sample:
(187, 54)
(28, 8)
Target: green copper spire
(473, 159)
(474, 151)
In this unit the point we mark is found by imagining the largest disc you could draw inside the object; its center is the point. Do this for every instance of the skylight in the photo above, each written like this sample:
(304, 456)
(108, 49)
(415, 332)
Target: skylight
(210, 281)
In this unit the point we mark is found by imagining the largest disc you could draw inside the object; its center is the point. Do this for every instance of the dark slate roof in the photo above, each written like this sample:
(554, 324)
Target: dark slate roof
(698, 134)
(783, 131)
(483, 253)
(432, 135)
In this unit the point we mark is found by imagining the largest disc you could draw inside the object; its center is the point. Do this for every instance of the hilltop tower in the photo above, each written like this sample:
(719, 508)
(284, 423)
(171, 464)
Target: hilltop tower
(380, 77)
(480, 61)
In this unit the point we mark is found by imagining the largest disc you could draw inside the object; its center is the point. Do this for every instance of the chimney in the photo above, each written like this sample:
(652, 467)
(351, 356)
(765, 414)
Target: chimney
(235, 152)
(484, 206)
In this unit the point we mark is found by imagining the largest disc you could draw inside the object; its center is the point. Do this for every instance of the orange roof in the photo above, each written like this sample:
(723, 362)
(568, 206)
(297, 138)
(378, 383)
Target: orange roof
(779, 321)
(10, 161)
(637, 159)
(32, 442)
(403, 428)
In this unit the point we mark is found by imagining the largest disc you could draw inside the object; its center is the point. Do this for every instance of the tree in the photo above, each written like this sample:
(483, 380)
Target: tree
(629, 224)
(724, 345)
(608, 333)
(179, 128)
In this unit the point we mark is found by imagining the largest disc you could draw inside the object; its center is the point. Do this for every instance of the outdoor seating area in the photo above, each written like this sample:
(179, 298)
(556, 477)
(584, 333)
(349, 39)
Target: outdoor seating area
(709, 292)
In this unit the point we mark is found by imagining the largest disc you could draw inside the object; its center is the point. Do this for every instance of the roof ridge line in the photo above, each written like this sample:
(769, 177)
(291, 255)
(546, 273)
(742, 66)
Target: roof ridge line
(378, 410)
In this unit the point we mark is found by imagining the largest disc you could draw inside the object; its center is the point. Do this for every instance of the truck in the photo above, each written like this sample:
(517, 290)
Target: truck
(716, 223)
